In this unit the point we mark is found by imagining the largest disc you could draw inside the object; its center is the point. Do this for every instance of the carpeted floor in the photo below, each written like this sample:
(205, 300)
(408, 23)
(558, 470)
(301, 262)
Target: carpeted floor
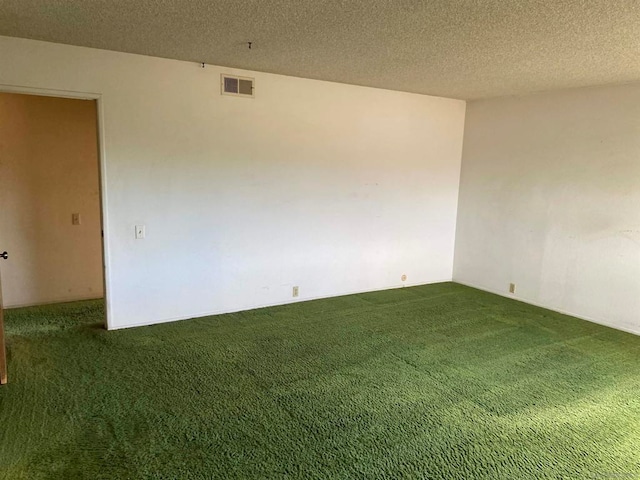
(440, 381)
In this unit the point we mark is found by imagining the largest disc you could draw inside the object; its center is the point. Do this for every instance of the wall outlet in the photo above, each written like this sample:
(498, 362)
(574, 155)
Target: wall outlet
(403, 278)
(512, 288)
(75, 219)
(296, 291)
(140, 232)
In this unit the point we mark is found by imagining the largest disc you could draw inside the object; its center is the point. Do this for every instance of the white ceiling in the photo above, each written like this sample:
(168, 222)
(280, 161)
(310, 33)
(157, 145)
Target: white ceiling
(454, 48)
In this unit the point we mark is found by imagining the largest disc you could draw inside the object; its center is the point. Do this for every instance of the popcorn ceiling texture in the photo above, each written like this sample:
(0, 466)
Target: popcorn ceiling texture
(464, 49)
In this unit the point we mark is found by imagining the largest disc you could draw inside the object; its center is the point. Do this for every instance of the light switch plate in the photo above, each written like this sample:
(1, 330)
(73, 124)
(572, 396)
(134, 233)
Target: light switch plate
(140, 232)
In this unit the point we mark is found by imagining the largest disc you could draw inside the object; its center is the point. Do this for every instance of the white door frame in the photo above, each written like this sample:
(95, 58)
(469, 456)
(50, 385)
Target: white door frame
(102, 172)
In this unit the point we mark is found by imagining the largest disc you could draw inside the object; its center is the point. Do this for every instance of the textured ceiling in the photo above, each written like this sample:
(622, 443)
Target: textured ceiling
(454, 48)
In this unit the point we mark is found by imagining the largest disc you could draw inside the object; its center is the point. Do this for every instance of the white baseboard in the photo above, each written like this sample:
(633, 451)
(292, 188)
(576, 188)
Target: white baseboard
(255, 307)
(547, 307)
(54, 301)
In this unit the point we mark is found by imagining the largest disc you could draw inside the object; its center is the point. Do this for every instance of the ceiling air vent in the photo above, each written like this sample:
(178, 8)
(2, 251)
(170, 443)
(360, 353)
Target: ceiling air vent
(237, 86)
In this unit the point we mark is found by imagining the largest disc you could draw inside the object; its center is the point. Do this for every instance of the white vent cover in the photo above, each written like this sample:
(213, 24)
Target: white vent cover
(237, 86)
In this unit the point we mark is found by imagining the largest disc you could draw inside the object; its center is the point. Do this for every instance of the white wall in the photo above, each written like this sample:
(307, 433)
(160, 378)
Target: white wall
(550, 200)
(49, 171)
(331, 187)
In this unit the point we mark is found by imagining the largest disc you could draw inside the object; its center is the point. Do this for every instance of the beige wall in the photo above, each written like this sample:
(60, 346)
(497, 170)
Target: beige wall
(48, 171)
(550, 200)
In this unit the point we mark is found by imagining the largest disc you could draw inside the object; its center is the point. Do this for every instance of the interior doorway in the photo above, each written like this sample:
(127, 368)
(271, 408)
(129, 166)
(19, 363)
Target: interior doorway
(51, 196)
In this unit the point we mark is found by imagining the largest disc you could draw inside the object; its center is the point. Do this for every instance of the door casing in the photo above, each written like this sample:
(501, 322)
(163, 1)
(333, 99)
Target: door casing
(102, 172)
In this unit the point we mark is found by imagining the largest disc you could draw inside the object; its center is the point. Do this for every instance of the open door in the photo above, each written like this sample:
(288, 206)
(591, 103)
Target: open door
(3, 352)
(51, 176)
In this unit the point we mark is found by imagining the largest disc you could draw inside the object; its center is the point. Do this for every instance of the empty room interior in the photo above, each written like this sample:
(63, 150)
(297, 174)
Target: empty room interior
(320, 239)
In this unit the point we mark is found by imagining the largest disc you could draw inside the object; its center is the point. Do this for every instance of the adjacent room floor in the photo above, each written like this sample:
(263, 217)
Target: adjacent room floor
(440, 381)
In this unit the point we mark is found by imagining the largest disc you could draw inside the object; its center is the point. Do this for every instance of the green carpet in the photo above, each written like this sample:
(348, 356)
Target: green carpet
(440, 381)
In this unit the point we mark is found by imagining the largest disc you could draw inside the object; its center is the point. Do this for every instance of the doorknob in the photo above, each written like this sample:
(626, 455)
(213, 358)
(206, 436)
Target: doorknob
(4, 255)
